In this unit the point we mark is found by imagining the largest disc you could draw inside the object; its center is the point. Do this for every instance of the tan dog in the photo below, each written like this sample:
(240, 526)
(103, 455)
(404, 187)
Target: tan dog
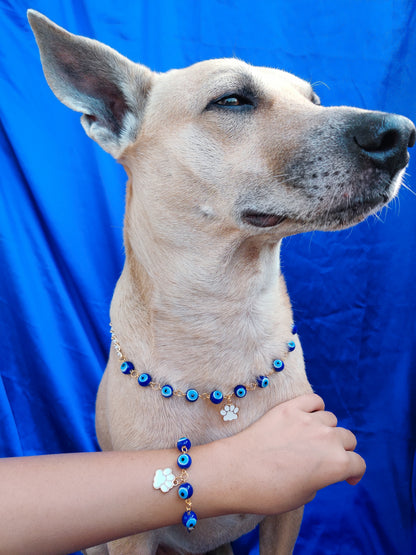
(224, 160)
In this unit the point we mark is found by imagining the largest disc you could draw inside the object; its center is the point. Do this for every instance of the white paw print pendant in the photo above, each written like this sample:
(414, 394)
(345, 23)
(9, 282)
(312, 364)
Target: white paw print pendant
(163, 479)
(229, 412)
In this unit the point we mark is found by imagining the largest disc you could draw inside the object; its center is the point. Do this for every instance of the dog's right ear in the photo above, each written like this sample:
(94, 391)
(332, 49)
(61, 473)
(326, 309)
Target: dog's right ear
(94, 79)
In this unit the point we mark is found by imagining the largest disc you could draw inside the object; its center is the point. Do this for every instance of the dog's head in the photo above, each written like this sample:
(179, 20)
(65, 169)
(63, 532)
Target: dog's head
(223, 142)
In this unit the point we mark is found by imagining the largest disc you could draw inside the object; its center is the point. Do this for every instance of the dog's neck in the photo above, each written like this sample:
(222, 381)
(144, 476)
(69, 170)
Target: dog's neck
(222, 305)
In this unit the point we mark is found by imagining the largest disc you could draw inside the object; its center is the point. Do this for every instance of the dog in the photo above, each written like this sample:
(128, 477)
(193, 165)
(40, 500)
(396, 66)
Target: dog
(224, 160)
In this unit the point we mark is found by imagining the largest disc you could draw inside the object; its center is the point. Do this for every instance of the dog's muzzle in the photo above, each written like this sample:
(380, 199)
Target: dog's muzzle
(345, 169)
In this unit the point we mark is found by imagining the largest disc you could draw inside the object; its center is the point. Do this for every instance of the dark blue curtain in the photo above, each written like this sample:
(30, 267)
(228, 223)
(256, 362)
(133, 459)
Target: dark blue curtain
(61, 207)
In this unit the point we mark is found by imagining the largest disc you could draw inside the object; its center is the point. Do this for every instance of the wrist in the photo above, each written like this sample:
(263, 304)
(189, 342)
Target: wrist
(218, 488)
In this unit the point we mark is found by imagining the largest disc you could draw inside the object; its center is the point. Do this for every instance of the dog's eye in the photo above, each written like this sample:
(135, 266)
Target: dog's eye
(233, 101)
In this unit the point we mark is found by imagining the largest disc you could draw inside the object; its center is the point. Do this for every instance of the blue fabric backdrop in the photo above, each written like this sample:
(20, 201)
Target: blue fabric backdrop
(61, 206)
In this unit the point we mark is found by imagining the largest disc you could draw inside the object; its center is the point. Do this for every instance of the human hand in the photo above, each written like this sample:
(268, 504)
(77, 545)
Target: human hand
(284, 458)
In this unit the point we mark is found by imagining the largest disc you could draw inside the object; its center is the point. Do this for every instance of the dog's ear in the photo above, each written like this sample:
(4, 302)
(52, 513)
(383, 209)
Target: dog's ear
(94, 79)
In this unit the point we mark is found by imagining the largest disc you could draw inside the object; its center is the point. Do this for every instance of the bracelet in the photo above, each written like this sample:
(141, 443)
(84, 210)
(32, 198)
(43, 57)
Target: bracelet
(165, 480)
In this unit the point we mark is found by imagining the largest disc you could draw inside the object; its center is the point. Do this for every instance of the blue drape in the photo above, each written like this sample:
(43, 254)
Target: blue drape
(61, 207)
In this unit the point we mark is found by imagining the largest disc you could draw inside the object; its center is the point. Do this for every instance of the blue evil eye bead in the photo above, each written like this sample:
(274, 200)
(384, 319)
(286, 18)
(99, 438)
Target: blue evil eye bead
(185, 491)
(216, 397)
(167, 391)
(291, 346)
(240, 391)
(189, 520)
(184, 460)
(262, 381)
(183, 442)
(294, 329)
(127, 367)
(278, 365)
(144, 379)
(192, 395)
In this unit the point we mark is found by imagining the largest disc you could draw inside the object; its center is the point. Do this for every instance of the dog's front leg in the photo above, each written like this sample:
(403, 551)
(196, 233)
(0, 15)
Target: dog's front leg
(97, 550)
(140, 544)
(278, 533)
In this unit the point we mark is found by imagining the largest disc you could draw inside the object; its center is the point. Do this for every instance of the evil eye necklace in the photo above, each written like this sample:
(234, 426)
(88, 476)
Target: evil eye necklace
(229, 411)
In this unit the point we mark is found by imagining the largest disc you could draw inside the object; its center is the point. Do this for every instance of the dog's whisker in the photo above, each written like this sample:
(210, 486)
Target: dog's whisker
(405, 186)
(318, 83)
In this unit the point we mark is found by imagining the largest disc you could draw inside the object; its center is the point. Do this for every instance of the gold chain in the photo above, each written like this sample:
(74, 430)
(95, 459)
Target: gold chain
(251, 386)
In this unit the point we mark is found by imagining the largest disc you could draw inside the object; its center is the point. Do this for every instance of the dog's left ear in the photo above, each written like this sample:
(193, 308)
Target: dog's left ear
(94, 79)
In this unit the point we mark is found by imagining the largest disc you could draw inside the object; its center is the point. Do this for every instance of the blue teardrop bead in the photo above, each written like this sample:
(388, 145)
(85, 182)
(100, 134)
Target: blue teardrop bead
(126, 367)
(278, 365)
(291, 346)
(184, 461)
(183, 442)
(294, 329)
(144, 379)
(240, 391)
(262, 381)
(192, 395)
(216, 397)
(185, 491)
(189, 520)
(167, 391)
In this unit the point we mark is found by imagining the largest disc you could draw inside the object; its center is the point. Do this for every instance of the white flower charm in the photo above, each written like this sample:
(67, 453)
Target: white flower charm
(163, 479)
(229, 412)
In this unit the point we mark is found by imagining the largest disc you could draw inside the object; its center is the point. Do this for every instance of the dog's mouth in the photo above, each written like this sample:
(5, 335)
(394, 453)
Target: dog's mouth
(345, 214)
(356, 210)
(262, 219)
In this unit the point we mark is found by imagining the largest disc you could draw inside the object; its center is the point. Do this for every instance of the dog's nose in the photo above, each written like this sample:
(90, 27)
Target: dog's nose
(384, 139)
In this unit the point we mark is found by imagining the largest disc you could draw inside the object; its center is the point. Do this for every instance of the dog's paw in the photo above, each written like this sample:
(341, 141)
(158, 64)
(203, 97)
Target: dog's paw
(163, 479)
(229, 412)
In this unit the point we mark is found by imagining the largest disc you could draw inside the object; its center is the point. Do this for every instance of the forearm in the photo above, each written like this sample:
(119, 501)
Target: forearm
(61, 503)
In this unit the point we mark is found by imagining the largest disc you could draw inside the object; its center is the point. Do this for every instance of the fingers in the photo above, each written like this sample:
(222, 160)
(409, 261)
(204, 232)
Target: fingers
(354, 465)
(326, 418)
(358, 468)
(349, 441)
(309, 402)
(346, 464)
(313, 403)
